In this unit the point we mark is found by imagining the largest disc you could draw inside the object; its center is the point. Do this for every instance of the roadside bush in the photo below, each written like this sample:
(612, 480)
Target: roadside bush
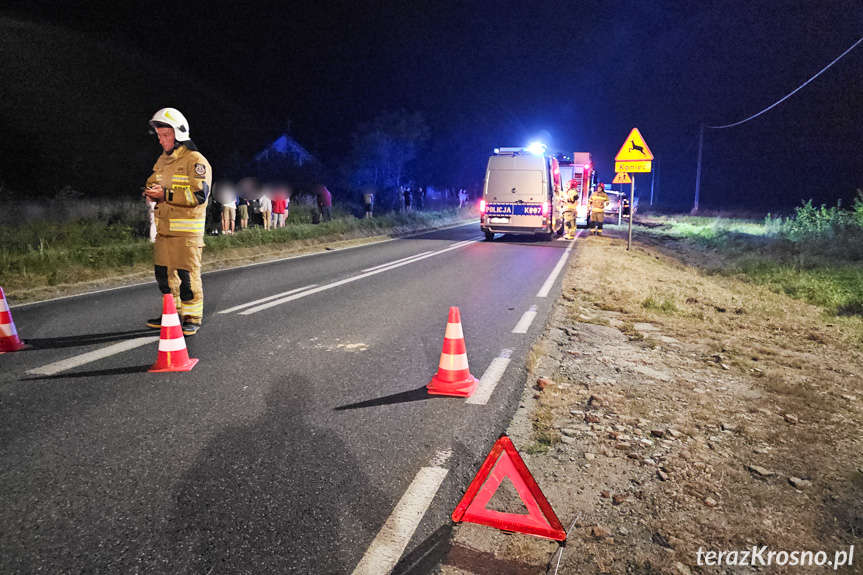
(823, 231)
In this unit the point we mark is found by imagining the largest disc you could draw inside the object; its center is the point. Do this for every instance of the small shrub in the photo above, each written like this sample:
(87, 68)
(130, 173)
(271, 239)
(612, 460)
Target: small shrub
(665, 306)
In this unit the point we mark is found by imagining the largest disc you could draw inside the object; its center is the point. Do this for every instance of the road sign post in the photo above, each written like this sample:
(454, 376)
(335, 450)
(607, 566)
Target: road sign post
(621, 178)
(634, 156)
(631, 204)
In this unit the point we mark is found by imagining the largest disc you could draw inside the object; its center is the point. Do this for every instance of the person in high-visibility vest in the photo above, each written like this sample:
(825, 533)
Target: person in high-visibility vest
(598, 201)
(180, 186)
(570, 202)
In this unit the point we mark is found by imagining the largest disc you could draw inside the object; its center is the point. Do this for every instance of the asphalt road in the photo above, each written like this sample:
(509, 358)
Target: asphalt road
(289, 445)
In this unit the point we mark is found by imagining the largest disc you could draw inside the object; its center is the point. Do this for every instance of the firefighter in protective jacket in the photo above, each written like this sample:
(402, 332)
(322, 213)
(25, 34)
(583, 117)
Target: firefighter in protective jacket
(180, 186)
(598, 201)
(569, 207)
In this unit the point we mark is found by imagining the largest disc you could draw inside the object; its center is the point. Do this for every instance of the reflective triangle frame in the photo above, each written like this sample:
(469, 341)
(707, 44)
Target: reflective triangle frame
(504, 461)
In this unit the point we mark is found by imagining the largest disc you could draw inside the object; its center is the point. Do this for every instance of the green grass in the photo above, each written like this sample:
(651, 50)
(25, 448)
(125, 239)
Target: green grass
(837, 288)
(668, 306)
(815, 255)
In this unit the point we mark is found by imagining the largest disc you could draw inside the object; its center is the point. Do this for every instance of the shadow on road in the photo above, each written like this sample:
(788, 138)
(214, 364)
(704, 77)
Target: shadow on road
(403, 397)
(484, 563)
(87, 339)
(428, 554)
(94, 373)
(279, 495)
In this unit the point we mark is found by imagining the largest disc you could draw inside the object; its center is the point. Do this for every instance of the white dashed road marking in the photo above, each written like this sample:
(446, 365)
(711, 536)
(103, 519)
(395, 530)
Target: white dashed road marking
(92, 356)
(524, 323)
(387, 548)
(490, 379)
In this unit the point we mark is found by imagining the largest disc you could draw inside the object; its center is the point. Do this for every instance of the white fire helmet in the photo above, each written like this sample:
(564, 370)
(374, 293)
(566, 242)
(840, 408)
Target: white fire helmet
(173, 118)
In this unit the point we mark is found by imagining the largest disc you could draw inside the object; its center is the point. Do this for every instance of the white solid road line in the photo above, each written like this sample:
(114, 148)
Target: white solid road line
(468, 241)
(389, 544)
(490, 379)
(397, 261)
(546, 287)
(524, 323)
(351, 279)
(92, 356)
(251, 303)
(331, 251)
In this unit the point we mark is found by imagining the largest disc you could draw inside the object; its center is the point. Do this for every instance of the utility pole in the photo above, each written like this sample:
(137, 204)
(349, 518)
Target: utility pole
(652, 179)
(698, 171)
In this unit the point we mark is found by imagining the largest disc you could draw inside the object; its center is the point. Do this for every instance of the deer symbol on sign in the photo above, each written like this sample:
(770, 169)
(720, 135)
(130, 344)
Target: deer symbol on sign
(634, 147)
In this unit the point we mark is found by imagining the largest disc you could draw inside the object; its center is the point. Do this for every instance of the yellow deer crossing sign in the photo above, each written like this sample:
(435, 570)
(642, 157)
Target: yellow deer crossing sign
(634, 149)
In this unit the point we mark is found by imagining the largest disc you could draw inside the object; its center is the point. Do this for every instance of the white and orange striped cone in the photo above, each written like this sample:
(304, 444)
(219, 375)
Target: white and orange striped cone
(173, 355)
(453, 375)
(8, 334)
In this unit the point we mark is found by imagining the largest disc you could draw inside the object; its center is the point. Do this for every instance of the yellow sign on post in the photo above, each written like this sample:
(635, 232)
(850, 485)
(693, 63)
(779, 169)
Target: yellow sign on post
(632, 167)
(622, 178)
(634, 149)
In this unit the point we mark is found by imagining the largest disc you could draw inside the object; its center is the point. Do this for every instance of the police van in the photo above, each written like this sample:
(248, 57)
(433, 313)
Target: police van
(520, 193)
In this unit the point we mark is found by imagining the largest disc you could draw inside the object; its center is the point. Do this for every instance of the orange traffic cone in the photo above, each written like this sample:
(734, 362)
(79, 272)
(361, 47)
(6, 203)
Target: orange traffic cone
(453, 376)
(8, 335)
(173, 355)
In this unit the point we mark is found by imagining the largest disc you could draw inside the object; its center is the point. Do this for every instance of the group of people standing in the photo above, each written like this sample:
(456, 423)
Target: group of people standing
(273, 209)
(598, 202)
(410, 195)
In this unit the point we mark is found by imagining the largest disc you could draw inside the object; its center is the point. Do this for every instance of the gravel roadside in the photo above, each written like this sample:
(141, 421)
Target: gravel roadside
(670, 411)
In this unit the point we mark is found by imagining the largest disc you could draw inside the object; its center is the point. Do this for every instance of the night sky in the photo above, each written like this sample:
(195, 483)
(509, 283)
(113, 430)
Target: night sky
(80, 81)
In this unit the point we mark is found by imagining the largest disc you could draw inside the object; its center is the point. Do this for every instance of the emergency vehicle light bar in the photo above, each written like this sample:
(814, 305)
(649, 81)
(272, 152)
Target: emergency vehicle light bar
(534, 149)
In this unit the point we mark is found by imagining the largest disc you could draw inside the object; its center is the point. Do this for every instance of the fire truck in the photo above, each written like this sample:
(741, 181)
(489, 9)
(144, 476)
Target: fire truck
(585, 179)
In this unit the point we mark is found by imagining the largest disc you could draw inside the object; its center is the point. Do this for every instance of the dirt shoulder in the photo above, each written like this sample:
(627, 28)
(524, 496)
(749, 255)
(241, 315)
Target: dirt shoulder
(682, 411)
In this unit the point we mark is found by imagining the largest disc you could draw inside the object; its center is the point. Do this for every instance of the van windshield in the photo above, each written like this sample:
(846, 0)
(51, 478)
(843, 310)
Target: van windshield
(527, 183)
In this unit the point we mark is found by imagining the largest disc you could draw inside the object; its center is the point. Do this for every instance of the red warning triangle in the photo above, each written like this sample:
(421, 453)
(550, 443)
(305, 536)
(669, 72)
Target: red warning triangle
(503, 462)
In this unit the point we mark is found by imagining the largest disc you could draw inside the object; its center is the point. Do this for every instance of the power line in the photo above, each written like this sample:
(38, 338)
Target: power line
(791, 94)
(701, 132)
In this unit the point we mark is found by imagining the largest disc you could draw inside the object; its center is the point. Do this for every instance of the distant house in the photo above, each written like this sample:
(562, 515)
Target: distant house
(285, 147)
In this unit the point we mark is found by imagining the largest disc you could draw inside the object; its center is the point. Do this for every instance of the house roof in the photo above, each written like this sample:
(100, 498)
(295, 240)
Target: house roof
(286, 145)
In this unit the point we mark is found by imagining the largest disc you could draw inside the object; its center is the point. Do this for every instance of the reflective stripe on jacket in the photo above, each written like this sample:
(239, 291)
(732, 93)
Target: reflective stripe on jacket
(186, 177)
(598, 201)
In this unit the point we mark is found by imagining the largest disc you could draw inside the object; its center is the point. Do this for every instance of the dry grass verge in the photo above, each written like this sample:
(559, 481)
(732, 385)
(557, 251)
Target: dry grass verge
(692, 411)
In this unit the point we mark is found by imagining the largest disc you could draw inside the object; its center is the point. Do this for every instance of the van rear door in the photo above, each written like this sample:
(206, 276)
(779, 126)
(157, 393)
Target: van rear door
(514, 200)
